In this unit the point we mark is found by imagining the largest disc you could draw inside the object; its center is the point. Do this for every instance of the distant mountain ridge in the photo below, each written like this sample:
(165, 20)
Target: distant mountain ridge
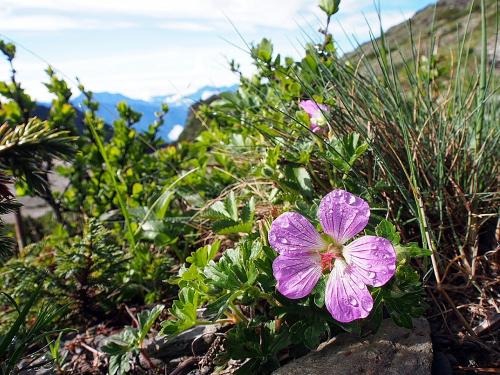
(178, 107)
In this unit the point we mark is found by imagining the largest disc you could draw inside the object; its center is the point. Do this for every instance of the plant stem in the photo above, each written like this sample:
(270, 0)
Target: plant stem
(238, 312)
(482, 79)
(121, 200)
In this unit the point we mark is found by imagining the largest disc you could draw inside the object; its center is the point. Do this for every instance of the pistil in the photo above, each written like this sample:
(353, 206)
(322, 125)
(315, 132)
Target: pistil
(332, 251)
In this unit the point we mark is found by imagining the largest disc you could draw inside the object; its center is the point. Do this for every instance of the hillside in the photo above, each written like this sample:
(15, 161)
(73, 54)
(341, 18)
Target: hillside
(178, 107)
(451, 22)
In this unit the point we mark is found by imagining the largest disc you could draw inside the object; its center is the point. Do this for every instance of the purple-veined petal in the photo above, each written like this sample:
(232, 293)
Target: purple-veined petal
(297, 275)
(291, 233)
(373, 259)
(343, 215)
(315, 128)
(312, 108)
(316, 114)
(309, 106)
(346, 297)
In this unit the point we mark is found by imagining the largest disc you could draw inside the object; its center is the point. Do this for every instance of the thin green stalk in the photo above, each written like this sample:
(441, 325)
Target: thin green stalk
(112, 173)
(161, 197)
(473, 222)
(482, 79)
(238, 312)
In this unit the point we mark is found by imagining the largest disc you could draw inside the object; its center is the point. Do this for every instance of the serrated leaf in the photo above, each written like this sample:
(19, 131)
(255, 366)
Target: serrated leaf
(217, 211)
(411, 250)
(235, 269)
(120, 364)
(388, 230)
(184, 312)
(248, 211)
(203, 255)
(215, 309)
(263, 51)
(231, 206)
(147, 319)
(231, 227)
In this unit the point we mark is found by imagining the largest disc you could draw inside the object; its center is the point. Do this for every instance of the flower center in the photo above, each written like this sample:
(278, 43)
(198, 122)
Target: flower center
(334, 248)
(318, 119)
(327, 261)
(332, 251)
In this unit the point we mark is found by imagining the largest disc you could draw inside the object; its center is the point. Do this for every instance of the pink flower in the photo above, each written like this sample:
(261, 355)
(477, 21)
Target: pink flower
(316, 114)
(304, 255)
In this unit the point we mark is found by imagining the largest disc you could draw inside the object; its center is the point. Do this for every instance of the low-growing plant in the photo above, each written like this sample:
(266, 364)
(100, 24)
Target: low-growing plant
(126, 348)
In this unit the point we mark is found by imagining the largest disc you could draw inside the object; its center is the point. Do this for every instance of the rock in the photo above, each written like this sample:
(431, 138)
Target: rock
(391, 351)
(197, 339)
(193, 125)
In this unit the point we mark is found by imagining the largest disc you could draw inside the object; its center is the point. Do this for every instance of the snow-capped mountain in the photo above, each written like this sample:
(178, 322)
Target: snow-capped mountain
(178, 108)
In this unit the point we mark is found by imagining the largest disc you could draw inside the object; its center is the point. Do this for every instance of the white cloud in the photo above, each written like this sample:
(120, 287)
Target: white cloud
(185, 26)
(176, 131)
(245, 14)
(38, 23)
(56, 23)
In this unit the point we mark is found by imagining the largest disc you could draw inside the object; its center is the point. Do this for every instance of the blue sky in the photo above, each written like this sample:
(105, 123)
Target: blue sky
(158, 47)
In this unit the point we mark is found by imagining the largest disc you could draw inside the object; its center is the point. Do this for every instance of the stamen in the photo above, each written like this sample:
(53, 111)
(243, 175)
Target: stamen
(335, 248)
(327, 261)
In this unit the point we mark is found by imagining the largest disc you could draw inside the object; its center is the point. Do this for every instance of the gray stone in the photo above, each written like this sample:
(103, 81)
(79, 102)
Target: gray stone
(196, 339)
(392, 350)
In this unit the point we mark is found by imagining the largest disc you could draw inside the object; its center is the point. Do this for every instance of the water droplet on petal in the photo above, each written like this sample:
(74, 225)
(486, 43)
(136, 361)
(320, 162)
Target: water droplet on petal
(371, 275)
(353, 302)
(284, 240)
(352, 199)
(366, 303)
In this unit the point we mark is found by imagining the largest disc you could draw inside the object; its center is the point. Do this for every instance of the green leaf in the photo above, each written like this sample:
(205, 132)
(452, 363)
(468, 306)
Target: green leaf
(215, 309)
(230, 227)
(163, 203)
(217, 211)
(330, 7)
(203, 255)
(236, 269)
(120, 364)
(388, 230)
(263, 51)
(411, 250)
(184, 312)
(137, 188)
(304, 180)
(231, 206)
(147, 319)
(248, 211)
(318, 292)
(314, 332)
